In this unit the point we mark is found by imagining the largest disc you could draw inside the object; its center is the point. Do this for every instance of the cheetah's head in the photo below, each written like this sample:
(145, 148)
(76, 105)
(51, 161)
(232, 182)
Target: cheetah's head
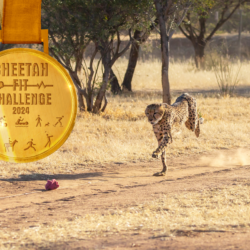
(154, 112)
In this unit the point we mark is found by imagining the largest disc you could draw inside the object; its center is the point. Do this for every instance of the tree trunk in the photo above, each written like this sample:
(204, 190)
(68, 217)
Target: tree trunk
(164, 54)
(115, 87)
(76, 82)
(165, 71)
(89, 101)
(133, 57)
(199, 49)
(81, 105)
(106, 59)
(199, 57)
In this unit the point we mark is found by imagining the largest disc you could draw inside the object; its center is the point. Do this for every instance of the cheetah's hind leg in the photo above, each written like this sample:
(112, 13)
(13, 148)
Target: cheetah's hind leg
(197, 129)
(165, 167)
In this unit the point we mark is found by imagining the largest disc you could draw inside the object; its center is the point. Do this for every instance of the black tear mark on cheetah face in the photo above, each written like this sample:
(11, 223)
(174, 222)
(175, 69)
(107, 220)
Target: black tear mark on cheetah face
(154, 112)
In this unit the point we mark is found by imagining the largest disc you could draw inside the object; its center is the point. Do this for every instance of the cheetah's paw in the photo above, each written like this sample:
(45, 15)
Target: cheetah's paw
(159, 174)
(155, 155)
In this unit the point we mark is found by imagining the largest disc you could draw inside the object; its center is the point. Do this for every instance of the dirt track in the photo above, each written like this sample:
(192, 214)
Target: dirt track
(24, 203)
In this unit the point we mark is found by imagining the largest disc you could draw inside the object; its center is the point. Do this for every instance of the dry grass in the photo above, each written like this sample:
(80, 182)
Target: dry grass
(182, 75)
(218, 209)
(123, 134)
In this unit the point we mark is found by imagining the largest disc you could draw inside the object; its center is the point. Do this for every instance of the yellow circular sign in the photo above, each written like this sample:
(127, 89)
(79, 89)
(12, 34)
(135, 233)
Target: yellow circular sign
(38, 105)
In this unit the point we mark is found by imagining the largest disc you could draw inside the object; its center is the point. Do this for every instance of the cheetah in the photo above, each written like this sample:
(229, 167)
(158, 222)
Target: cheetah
(167, 120)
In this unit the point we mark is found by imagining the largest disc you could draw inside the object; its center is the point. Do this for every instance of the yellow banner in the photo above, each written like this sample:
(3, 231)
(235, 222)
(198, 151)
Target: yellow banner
(21, 21)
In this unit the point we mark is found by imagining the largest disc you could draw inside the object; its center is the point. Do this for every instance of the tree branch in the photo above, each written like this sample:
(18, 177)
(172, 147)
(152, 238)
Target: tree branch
(167, 8)
(184, 33)
(59, 59)
(93, 85)
(105, 103)
(180, 20)
(192, 31)
(91, 70)
(118, 42)
(118, 54)
(153, 23)
(223, 20)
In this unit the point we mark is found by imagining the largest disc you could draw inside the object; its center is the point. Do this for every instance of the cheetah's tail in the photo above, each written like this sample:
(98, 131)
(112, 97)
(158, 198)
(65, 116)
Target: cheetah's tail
(193, 121)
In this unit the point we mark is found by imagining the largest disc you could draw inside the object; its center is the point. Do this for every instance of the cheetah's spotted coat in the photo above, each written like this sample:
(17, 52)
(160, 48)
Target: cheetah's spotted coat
(167, 120)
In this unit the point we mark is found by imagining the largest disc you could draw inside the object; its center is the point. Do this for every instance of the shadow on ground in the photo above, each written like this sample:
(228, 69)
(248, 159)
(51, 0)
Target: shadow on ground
(39, 177)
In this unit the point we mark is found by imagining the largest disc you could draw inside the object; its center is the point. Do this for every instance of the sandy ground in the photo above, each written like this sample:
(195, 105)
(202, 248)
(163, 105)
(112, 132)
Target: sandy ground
(24, 203)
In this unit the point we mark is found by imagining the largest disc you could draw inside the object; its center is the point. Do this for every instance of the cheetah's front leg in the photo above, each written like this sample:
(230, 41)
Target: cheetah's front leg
(162, 150)
(161, 147)
(165, 167)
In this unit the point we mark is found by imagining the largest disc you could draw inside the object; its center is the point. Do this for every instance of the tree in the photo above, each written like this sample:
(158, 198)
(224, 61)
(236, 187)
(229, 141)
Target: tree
(232, 25)
(117, 15)
(68, 39)
(170, 14)
(139, 38)
(106, 19)
(73, 24)
(194, 26)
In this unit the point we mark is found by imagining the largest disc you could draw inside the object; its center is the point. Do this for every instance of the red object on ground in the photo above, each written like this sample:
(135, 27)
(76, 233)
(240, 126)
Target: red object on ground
(50, 185)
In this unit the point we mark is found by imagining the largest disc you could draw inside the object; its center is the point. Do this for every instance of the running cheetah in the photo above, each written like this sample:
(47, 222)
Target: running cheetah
(167, 120)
